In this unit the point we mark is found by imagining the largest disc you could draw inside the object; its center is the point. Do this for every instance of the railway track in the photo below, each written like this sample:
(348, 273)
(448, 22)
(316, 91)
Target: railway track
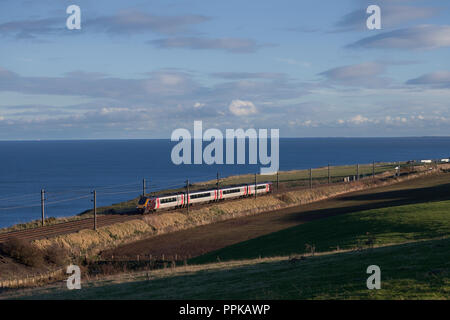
(65, 227)
(78, 225)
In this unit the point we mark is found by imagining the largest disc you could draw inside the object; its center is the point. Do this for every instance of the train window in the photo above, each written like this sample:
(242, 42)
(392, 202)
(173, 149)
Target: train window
(231, 191)
(261, 187)
(167, 200)
(200, 195)
(142, 200)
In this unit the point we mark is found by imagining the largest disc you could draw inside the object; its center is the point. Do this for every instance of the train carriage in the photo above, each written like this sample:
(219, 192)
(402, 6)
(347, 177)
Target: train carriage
(233, 192)
(260, 188)
(202, 196)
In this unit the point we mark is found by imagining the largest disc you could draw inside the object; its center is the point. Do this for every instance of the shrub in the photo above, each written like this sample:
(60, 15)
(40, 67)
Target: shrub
(23, 252)
(287, 198)
(57, 255)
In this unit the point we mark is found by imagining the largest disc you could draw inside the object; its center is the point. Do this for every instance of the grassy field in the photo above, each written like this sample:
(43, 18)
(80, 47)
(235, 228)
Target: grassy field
(381, 226)
(411, 247)
(418, 270)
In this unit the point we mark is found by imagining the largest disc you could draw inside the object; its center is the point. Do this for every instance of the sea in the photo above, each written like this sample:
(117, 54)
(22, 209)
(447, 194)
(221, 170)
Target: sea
(69, 171)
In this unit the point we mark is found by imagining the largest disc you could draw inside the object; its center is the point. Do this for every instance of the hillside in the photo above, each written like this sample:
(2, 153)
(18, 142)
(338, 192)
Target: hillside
(408, 241)
(417, 270)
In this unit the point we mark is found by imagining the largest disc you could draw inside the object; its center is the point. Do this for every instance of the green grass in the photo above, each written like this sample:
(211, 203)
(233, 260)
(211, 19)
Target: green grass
(388, 225)
(417, 270)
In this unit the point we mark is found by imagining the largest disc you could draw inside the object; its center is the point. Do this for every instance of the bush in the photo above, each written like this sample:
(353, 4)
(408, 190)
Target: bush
(23, 252)
(287, 198)
(57, 255)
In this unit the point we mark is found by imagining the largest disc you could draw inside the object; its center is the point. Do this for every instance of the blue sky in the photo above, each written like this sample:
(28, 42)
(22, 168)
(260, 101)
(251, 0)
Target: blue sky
(140, 69)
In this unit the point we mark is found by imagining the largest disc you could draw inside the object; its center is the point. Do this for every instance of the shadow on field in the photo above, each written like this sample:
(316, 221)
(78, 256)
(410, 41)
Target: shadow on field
(376, 201)
(407, 196)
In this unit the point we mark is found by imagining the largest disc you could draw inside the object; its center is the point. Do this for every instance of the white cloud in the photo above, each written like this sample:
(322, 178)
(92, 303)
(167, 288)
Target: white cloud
(294, 62)
(198, 105)
(356, 71)
(233, 45)
(107, 110)
(126, 22)
(359, 119)
(438, 78)
(242, 108)
(367, 74)
(417, 37)
(133, 21)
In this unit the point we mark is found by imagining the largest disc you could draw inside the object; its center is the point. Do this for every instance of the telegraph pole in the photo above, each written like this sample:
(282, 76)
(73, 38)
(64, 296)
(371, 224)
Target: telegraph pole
(187, 195)
(42, 205)
(217, 185)
(95, 209)
(143, 187)
(278, 180)
(255, 186)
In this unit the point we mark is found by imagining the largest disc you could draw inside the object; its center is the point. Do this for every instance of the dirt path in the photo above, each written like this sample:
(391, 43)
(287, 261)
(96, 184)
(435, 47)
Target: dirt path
(199, 240)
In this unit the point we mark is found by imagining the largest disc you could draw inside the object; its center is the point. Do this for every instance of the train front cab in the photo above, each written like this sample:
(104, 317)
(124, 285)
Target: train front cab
(146, 204)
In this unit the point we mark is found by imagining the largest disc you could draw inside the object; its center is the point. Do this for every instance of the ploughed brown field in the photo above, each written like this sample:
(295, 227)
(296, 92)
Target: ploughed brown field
(197, 241)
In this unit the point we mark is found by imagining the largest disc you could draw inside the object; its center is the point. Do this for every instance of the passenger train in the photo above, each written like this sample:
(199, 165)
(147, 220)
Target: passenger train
(180, 200)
